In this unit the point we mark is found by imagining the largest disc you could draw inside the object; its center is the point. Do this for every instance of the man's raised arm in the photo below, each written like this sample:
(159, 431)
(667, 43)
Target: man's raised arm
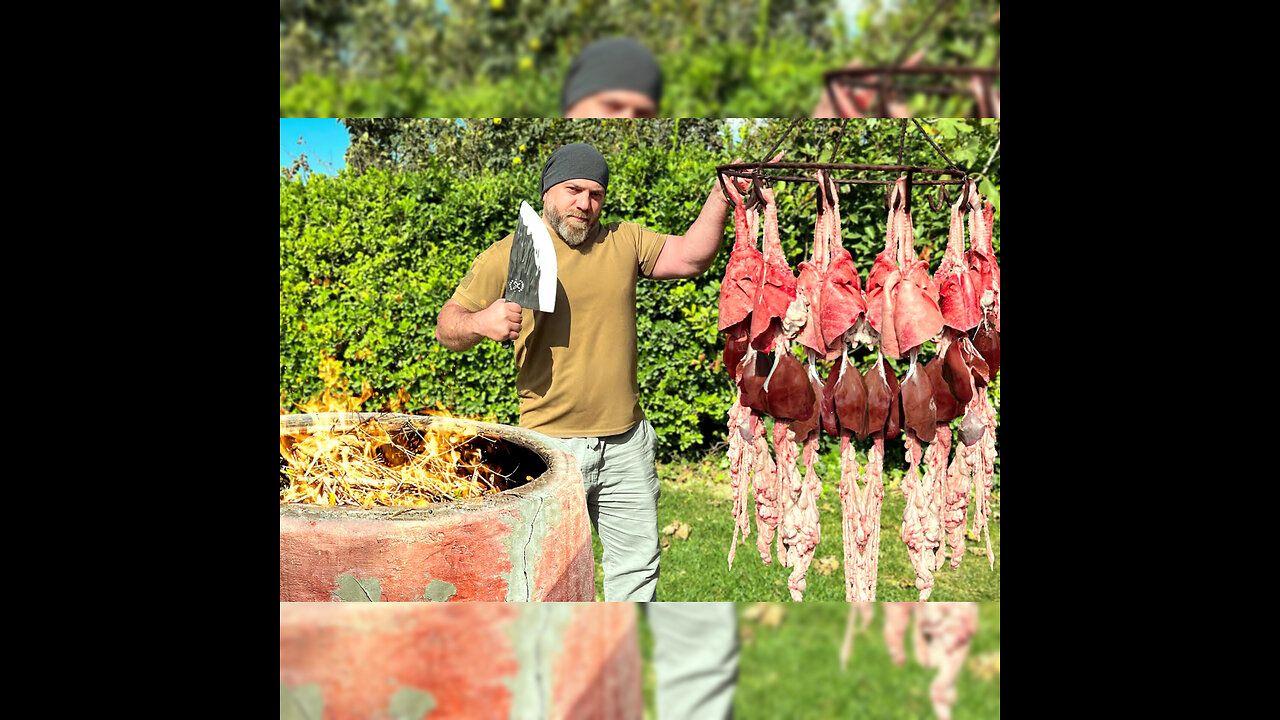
(684, 256)
(458, 329)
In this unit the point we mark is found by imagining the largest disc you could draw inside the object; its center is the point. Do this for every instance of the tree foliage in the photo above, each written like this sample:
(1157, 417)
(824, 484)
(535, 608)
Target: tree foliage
(475, 145)
(731, 58)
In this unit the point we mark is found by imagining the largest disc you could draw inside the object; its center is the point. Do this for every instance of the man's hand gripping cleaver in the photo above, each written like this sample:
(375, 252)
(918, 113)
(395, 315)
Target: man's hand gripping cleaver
(531, 271)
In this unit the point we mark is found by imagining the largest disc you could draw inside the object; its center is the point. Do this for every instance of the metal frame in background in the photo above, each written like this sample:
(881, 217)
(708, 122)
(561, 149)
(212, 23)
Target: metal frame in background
(755, 171)
(881, 78)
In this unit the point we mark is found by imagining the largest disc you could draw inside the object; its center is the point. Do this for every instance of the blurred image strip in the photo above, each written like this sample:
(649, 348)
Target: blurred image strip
(670, 661)
(732, 58)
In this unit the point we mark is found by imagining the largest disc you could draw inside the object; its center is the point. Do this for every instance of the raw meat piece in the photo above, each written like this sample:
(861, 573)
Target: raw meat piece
(921, 522)
(742, 424)
(809, 280)
(946, 406)
(768, 495)
(790, 395)
(842, 303)
(735, 346)
(863, 612)
(982, 258)
(881, 394)
(849, 398)
(957, 284)
(947, 629)
(897, 616)
(955, 504)
(984, 471)
(902, 300)
(943, 633)
(860, 517)
(986, 342)
(740, 286)
(786, 451)
(918, 408)
(778, 289)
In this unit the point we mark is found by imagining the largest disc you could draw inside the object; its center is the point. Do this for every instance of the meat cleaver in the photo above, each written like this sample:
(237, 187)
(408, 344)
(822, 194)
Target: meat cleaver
(531, 271)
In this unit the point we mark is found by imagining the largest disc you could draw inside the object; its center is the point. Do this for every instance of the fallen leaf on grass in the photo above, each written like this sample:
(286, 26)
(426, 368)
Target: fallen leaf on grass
(664, 543)
(827, 565)
(679, 529)
(765, 613)
(976, 550)
(985, 666)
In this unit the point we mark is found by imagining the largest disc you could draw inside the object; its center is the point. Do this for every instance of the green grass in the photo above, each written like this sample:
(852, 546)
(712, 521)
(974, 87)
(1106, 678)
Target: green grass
(699, 493)
(792, 670)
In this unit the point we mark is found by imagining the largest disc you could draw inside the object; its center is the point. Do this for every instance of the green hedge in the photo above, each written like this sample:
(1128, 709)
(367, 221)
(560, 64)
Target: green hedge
(366, 262)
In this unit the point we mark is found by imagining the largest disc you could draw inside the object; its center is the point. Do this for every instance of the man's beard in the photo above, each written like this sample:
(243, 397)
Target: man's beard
(572, 233)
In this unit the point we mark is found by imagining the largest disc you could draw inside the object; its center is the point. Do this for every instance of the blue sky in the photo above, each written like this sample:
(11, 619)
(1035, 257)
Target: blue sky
(324, 142)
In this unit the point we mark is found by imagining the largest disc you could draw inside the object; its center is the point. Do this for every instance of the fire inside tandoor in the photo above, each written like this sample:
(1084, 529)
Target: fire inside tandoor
(367, 460)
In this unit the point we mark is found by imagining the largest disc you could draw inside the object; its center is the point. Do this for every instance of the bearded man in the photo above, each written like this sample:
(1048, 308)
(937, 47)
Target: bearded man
(577, 366)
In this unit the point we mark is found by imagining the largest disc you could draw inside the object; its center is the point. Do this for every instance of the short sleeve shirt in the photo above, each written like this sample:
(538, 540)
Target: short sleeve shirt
(577, 365)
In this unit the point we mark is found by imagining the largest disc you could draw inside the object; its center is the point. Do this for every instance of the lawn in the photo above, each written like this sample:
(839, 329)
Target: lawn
(697, 569)
(789, 667)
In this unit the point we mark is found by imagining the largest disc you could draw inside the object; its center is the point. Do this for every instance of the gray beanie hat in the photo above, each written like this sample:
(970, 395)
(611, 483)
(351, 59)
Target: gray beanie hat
(574, 161)
(611, 64)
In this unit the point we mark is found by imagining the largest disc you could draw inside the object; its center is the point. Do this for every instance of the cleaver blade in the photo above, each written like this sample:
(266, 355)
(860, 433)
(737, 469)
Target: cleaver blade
(531, 271)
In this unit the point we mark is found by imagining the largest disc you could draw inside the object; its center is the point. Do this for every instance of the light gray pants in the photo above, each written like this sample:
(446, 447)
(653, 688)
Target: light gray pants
(621, 482)
(695, 659)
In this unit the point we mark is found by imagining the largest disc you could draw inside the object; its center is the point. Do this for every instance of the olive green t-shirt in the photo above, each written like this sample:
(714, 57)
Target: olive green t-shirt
(577, 374)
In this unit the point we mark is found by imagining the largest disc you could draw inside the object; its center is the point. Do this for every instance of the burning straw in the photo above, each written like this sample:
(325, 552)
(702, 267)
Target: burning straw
(349, 459)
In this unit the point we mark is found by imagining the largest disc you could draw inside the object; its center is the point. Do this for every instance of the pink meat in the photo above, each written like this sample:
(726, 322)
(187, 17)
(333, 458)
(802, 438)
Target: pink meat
(862, 613)
(809, 280)
(984, 471)
(935, 459)
(741, 281)
(914, 301)
(957, 289)
(860, 516)
(767, 492)
(981, 258)
(807, 533)
(789, 481)
(943, 633)
(897, 616)
(947, 629)
(801, 527)
(742, 422)
(778, 289)
(842, 303)
(921, 526)
(956, 502)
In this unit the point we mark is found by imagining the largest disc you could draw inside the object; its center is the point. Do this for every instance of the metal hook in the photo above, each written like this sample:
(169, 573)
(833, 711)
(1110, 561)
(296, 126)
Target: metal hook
(941, 204)
(724, 189)
(967, 205)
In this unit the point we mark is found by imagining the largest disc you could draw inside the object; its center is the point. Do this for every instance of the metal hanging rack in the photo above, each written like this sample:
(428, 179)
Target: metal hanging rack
(882, 78)
(755, 171)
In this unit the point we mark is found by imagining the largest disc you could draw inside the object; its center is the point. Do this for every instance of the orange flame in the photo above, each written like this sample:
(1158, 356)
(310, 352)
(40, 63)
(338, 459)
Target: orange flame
(349, 460)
